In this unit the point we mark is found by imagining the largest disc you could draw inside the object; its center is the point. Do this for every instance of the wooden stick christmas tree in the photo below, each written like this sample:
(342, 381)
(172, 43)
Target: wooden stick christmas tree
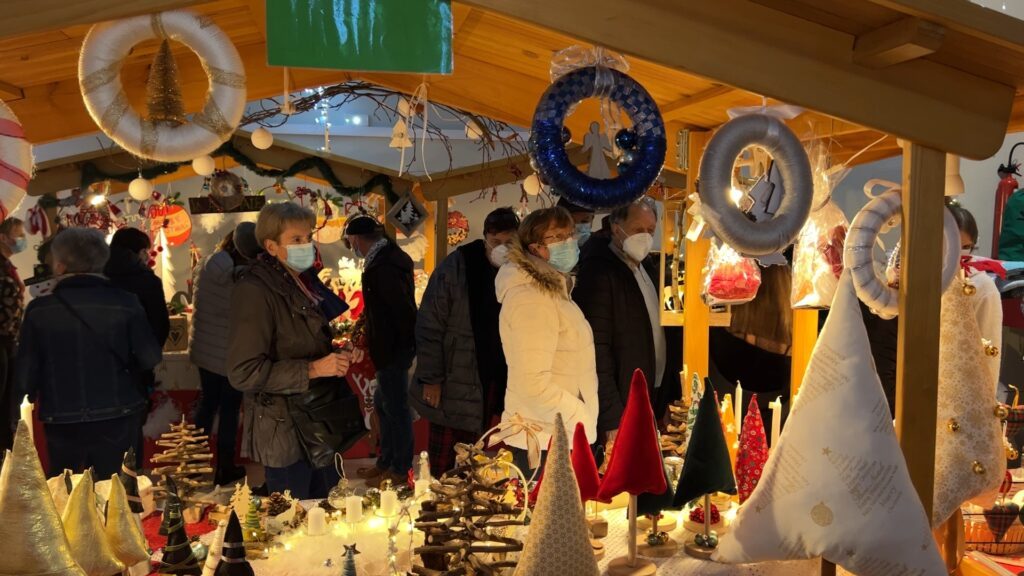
(186, 459)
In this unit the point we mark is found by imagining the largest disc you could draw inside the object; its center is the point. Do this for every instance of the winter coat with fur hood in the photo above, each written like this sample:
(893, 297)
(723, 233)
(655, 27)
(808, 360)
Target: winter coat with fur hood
(549, 348)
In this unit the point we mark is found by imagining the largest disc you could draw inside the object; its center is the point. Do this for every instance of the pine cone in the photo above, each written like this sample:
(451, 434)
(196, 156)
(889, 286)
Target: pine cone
(277, 504)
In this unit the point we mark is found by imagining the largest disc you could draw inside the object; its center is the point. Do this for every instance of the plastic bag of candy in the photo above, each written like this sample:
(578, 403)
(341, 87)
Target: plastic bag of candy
(818, 257)
(729, 278)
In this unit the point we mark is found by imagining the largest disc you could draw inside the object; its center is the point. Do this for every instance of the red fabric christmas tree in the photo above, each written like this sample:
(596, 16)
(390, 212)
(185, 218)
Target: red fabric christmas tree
(635, 466)
(753, 451)
(583, 465)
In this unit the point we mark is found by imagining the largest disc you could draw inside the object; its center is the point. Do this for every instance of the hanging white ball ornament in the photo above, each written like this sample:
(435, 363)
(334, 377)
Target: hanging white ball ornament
(203, 165)
(473, 130)
(140, 189)
(532, 185)
(262, 138)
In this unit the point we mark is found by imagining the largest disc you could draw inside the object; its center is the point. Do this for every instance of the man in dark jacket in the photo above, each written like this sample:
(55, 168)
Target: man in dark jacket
(460, 368)
(390, 319)
(79, 350)
(617, 290)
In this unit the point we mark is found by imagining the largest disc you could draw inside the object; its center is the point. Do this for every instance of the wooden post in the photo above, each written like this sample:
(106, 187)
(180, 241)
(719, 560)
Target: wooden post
(917, 358)
(429, 230)
(440, 230)
(805, 336)
(696, 315)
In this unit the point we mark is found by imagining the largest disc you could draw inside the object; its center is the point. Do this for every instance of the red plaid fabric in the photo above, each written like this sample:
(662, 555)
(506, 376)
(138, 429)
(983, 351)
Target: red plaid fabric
(442, 447)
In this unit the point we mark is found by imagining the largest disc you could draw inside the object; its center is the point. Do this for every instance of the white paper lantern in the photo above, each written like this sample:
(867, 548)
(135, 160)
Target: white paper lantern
(532, 185)
(262, 138)
(473, 130)
(140, 189)
(203, 165)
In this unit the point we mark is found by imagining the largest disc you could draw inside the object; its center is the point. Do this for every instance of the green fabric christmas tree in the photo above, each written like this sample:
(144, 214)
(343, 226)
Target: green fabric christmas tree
(706, 468)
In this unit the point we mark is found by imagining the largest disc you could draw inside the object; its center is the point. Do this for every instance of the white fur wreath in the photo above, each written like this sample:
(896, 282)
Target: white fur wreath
(858, 256)
(99, 69)
(15, 162)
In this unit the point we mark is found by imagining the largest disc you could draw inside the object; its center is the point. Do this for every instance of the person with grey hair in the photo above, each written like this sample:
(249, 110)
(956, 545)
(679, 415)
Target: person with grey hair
(298, 408)
(616, 288)
(80, 350)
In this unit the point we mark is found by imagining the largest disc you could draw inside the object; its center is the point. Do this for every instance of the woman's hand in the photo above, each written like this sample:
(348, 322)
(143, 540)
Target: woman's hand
(334, 364)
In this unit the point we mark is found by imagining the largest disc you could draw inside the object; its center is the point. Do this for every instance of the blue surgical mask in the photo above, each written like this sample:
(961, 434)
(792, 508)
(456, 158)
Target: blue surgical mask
(20, 244)
(564, 255)
(301, 256)
(582, 233)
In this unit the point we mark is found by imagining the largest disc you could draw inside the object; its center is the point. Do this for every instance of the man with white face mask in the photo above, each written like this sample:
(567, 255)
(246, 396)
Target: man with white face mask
(616, 287)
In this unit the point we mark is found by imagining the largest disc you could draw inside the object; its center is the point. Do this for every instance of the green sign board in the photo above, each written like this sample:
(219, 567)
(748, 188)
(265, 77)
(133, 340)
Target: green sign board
(366, 35)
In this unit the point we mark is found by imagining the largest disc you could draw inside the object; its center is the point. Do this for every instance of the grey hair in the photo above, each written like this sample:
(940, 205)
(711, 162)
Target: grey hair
(81, 250)
(274, 217)
(621, 214)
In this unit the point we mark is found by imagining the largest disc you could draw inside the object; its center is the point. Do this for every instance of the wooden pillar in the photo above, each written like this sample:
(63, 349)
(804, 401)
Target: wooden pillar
(696, 315)
(429, 258)
(805, 336)
(917, 359)
(440, 230)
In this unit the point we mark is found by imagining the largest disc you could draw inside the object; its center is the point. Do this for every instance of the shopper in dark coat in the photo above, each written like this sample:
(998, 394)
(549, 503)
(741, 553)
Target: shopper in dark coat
(609, 292)
(280, 347)
(79, 349)
(460, 368)
(128, 269)
(390, 319)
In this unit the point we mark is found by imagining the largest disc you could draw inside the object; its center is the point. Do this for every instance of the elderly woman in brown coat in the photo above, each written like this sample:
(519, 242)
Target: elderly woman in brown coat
(280, 356)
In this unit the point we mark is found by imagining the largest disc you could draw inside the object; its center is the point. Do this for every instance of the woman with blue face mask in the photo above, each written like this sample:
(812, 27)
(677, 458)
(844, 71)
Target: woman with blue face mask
(547, 341)
(280, 355)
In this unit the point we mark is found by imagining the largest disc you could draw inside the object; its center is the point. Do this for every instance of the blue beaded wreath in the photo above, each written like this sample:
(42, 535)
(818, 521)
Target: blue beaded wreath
(548, 149)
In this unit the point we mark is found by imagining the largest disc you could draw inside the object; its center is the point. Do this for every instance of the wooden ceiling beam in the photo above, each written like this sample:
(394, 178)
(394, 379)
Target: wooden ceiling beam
(785, 57)
(675, 110)
(899, 42)
(26, 16)
(9, 92)
(964, 17)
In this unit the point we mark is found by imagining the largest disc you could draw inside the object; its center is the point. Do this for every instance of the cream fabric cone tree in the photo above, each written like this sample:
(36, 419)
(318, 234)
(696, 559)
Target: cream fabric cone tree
(30, 529)
(970, 460)
(558, 543)
(837, 485)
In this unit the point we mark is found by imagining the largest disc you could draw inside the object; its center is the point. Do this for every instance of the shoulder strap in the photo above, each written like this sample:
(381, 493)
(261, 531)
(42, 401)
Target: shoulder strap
(124, 364)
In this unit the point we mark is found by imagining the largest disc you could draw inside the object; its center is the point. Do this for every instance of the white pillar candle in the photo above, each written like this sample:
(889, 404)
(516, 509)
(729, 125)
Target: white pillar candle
(316, 522)
(26, 415)
(739, 408)
(388, 503)
(353, 509)
(776, 407)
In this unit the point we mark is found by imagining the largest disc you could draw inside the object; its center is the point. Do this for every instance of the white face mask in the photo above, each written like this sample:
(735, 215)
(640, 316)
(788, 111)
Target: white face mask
(498, 255)
(965, 251)
(638, 246)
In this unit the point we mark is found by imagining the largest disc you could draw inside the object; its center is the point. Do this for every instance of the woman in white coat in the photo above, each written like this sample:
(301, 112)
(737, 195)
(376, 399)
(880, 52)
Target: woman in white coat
(547, 341)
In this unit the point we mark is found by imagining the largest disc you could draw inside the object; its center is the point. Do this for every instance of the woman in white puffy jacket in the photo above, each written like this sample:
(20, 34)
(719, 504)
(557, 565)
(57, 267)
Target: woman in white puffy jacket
(547, 341)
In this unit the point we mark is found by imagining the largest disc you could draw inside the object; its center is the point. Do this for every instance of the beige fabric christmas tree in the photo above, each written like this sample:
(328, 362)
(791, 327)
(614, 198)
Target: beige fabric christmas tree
(969, 457)
(558, 543)
(836, 485)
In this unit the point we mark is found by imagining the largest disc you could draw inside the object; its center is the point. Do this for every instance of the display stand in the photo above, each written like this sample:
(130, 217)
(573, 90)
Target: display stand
(631, 565)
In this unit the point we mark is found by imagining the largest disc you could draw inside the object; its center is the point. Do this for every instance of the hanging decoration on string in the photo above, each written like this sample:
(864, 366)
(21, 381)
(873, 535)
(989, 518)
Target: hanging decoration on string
(164, 135)
(458, 228)
(638, 167)
(418, 105)
(16, 164)
(407, 214)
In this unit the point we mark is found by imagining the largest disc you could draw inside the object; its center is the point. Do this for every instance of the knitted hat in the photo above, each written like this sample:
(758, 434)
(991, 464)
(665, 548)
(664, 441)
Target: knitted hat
(361, 225)
(636, 466)
(558, 543)
(245, 239)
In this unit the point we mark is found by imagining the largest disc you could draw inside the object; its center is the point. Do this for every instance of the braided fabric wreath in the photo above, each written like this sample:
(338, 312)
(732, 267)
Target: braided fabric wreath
(548, 149)
(858, 257)
(726, 219)
(99, 75)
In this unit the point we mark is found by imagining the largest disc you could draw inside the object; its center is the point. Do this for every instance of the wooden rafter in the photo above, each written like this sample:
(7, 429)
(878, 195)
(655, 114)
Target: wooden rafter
(791, 59)
(899, 42)
(25, 16)
(674, 110)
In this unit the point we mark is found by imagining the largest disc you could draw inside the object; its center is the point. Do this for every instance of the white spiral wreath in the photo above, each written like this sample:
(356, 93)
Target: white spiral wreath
(99, 75)
(858, 257)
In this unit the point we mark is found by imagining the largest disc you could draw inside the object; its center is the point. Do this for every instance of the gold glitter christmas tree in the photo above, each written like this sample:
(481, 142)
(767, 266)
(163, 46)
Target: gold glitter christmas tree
(163, 94)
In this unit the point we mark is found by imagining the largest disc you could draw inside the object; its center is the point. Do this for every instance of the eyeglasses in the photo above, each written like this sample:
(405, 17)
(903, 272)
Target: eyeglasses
(556, 238)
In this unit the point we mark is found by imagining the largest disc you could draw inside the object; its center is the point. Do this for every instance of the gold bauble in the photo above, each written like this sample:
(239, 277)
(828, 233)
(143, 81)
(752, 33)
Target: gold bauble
(953, 425)
(84, 528)
(991, 351)
(30, 530)
(969, 289)
(978, 467)
(1002, 411)
(1012, 453)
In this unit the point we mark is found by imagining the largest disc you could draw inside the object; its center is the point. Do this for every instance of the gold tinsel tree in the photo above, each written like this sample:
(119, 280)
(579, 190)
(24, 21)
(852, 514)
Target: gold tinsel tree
(163, 94)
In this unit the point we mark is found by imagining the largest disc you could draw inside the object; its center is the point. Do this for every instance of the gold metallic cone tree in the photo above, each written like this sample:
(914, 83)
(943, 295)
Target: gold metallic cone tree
(163, 92)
